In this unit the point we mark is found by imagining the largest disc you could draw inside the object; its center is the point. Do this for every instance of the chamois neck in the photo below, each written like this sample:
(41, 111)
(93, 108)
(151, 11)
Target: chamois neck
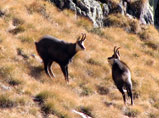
(72, 49)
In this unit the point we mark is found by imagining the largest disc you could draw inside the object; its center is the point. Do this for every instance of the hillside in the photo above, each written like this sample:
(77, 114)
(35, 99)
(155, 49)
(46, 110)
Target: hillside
(26, 91)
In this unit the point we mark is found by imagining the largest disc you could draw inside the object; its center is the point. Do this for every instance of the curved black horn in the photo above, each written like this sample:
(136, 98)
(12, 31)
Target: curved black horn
(84, 37)
(114, 49)
(117, 49)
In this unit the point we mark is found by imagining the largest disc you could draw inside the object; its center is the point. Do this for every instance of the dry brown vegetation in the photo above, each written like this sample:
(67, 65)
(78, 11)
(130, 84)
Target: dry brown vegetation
(26, 91)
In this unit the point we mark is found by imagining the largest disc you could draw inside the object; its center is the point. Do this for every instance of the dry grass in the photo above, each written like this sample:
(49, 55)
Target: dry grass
(91, 89)
(118, 20)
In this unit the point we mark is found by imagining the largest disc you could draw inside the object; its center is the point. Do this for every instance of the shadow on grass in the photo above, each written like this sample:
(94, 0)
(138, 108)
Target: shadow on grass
(36, 72)
(40, 100)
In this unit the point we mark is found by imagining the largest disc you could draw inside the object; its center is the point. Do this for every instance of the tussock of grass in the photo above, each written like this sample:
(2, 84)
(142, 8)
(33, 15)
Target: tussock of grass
(86, 110)
(17, 30)
(86, 90)
(133, 112)
(6, 101)
(156, 104)
(42, 96)
(97, 31)
(7, 71)
(93, 62)
(26, 39)
(54, 103)
(85, 23)
(153, 114)
(17, 21)
(118, 20)
(149, 33)
(14, 82)
(102, 90)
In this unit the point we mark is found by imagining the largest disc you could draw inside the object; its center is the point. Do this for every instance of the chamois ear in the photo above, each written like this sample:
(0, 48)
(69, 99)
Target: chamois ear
(78, 39)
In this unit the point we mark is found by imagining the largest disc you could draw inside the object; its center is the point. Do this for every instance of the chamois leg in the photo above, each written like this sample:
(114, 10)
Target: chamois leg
(50, 69)
(67, 73)
(46, 65)
(64, 69)
(129, 91)
(123, 94)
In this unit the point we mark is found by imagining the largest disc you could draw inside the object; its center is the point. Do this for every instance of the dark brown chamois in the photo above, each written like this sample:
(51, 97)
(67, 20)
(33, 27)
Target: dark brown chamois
(121, 75)
(51, 50)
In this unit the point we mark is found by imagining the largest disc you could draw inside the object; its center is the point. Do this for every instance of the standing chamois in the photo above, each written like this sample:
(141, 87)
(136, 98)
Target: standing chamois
(121, 74)
(51, 50)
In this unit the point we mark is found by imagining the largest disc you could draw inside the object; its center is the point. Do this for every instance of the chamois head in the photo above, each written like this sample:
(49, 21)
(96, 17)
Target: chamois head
(116, 55)
(80, 42)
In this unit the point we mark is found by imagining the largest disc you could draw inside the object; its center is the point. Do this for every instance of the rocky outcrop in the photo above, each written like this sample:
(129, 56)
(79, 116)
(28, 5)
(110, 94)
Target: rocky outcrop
(97, 10)
(88, 8)
(141, 11)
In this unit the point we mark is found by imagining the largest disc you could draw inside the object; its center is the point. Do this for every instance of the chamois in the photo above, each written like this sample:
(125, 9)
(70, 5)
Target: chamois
(121, 74)
(51, 49)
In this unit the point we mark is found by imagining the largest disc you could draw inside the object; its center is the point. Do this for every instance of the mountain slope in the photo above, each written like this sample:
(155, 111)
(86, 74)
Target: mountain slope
(27, 92)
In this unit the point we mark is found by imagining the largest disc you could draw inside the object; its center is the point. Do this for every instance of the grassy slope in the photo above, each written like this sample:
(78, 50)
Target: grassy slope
(91, 87)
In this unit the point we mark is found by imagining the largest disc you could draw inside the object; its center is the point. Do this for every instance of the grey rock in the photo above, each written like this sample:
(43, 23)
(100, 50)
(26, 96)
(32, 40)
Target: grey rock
(146, 16)
(92, 10)
(72, 5)
(105, 9)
